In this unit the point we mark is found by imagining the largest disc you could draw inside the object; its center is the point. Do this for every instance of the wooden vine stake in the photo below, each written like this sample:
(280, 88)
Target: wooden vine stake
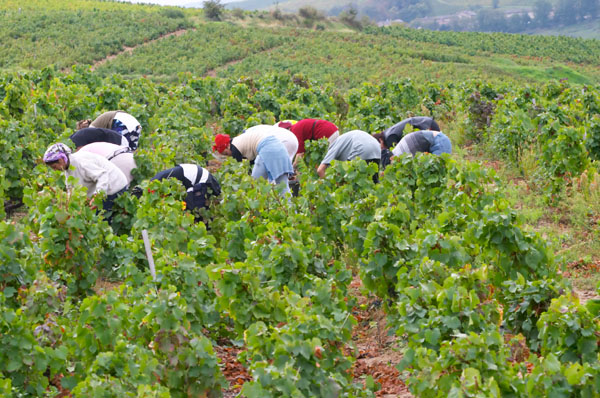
(149, 253)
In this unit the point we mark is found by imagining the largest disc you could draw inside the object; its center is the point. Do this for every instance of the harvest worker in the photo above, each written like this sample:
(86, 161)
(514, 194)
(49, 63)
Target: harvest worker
(272, 160)
(287, 138)
(244, 145)
(91, 170)
(311, 129)
(418, 144)
(434, 142)
(350, 145)
(119, 121)
(286, 123)
(198, 182)
(120, 156)
(394, 134)
(91, 134)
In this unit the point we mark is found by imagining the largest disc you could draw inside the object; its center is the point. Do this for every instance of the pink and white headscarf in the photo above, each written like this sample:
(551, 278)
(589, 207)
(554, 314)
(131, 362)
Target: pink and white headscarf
(57, 151)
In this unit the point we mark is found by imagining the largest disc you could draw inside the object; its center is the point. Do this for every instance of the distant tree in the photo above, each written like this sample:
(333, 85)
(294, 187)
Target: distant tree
(525, 20)
(495, 3)
(213, 10)
(348, 17)
(277, 14)
(238, 13)
(366, 21)
(541, 11)
(171, 12)
(407, 10)
(309, 12)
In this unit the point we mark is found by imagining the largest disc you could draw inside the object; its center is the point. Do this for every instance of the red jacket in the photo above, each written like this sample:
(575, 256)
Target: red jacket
(312, 129)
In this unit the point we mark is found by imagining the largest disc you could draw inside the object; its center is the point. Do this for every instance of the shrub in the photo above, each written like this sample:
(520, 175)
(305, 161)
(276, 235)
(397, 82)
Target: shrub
(470, 365)
(311, 13)
(238, 13)
(173, 13)
(213, 10)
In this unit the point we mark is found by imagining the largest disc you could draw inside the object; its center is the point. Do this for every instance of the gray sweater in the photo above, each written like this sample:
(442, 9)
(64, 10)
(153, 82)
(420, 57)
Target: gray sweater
(353, 144)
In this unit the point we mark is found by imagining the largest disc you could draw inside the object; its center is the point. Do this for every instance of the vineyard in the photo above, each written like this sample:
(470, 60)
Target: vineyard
(33, 40)
(477, 303)
(580, 50)
(344, 58)
(36, 34)
(435, 241)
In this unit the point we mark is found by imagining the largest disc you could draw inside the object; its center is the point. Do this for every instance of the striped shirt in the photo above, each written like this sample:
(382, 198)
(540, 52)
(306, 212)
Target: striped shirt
(419, 141)
(188, 174)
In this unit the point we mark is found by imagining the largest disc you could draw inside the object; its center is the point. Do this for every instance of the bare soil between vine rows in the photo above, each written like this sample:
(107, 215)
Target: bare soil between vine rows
(127, 50)
(377, 355)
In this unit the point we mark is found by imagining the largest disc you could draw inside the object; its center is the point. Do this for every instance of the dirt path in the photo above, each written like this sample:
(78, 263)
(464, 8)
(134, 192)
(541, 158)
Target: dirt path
(585, 295)
(213, 72)
(127, 50)
(377, 350)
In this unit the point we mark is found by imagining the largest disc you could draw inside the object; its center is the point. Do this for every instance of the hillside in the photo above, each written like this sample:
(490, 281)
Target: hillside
(234, 48)
(475, 273)
(36, 34)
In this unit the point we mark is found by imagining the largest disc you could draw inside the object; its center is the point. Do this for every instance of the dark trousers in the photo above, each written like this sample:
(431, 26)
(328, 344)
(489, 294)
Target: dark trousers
(376, 175)
(108, 203)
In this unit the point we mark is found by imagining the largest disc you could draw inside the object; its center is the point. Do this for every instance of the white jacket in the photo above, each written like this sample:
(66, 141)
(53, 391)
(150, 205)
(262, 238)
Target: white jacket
(248, 141)
(96, 173)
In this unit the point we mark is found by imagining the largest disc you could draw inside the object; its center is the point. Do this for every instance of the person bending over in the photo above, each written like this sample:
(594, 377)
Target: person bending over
(271, 158)
(119, 121)
(90, 135)
(434, 142)
(244, 145)
(120, 156)
(394, 134)
(350, 145)
(199, 184)
(90, 170)
(311, 129)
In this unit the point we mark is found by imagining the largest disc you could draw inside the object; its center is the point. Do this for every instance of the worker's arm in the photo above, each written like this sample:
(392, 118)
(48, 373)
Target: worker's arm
(321, 170)
(297, 158)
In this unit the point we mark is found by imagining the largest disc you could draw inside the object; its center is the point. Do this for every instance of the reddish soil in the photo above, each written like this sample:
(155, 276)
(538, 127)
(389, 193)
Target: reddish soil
(235, 373)
(582, 268)
(377, 354)
(377, 351)
(104, 286)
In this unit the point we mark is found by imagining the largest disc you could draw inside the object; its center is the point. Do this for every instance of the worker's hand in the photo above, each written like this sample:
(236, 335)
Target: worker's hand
(321, 170)
(92, 203)
(297, 159)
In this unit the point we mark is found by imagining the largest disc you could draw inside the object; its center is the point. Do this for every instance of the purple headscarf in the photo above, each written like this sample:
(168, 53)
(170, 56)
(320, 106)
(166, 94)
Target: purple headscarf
(56, 152)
